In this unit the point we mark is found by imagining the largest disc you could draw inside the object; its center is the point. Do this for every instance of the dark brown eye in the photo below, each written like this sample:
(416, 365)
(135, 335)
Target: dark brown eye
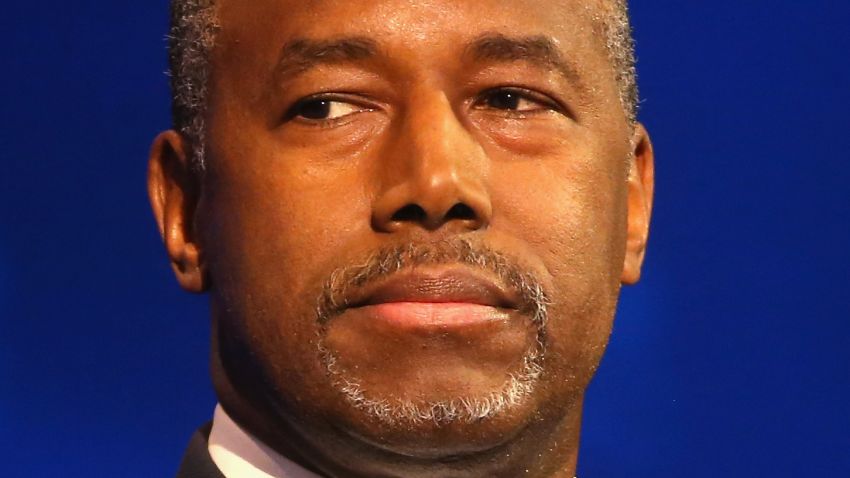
(510, 99)
(323, 109)
(503, 100)
(314, 109)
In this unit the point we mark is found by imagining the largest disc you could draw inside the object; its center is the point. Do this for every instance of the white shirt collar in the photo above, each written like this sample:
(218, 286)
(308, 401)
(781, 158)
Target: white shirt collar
(238, 454)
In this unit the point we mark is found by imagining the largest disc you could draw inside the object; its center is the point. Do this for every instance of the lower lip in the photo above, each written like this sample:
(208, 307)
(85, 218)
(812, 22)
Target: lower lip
(436, 315)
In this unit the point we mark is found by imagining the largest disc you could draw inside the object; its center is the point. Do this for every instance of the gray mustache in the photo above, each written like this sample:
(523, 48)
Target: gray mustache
(533, 299)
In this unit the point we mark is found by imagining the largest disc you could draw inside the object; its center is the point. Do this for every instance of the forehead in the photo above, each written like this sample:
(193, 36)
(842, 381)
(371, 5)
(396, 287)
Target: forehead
(570, 23)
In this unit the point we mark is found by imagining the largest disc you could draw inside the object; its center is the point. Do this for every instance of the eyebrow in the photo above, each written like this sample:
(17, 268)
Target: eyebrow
(538, 50)
(302, 54)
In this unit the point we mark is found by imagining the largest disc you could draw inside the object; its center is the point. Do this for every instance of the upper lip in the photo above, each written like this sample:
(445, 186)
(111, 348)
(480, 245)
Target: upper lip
(443, 285)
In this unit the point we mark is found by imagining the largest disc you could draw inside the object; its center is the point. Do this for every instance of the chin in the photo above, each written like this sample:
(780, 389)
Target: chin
(444, 408)
(435, 435)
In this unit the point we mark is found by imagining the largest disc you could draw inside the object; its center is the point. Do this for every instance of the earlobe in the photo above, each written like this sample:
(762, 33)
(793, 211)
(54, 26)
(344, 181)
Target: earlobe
(173, 189)
(641, 186)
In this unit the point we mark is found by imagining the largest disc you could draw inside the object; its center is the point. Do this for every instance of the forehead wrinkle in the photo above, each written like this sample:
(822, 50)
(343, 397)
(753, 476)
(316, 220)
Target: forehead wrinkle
(536, 49)
(302, 54)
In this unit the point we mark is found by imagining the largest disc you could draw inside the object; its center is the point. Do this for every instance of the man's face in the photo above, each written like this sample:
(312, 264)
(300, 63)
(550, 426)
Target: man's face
(397, 194)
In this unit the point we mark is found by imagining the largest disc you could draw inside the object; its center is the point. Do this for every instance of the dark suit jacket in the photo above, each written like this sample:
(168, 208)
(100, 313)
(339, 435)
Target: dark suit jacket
(197, 462)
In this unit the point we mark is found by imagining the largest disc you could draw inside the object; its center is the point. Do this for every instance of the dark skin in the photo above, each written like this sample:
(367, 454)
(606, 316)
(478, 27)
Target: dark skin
(509, 108)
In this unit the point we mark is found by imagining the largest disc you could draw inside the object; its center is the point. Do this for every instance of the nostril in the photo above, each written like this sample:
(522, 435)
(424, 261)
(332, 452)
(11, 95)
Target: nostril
(460, 211)
(411, 213)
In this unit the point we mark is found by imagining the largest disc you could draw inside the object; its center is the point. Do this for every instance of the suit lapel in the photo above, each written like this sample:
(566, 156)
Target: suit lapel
(197, 462)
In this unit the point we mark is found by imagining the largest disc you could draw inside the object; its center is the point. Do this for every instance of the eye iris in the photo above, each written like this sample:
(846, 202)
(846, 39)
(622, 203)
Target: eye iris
(504, 100)
(316, 109)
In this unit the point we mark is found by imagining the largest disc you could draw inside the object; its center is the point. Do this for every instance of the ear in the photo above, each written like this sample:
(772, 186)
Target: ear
(641, 184)
(174, 189)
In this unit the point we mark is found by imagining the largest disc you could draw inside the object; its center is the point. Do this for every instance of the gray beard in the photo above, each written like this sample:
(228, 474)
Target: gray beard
(512, 394)
(517, 387)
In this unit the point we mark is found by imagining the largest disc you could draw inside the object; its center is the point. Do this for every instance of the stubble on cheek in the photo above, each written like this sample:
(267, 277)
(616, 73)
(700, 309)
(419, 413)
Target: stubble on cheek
(577, 218)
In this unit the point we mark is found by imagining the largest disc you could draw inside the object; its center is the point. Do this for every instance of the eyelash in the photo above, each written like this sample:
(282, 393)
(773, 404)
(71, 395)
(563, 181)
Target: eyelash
(294, 112)
(546, 103)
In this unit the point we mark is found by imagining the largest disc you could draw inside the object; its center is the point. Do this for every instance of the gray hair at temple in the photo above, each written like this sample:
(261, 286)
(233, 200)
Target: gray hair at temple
(192, 35)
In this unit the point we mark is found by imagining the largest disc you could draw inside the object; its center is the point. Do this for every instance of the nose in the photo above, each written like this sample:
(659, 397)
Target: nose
(434, 173)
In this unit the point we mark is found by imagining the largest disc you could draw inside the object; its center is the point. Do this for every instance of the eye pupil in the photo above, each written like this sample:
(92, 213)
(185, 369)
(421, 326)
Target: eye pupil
(315, 109)
(504, 100)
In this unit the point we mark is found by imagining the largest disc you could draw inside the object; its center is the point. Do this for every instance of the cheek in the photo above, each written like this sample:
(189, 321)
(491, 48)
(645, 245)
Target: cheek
(276, 230)
(271, 242)
(571, 214)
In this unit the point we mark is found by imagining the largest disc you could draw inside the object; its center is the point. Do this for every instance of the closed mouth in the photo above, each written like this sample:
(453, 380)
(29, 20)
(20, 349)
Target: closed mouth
(440, 285)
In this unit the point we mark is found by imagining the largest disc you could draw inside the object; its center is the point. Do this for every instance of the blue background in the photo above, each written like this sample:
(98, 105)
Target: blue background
(730, 359)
